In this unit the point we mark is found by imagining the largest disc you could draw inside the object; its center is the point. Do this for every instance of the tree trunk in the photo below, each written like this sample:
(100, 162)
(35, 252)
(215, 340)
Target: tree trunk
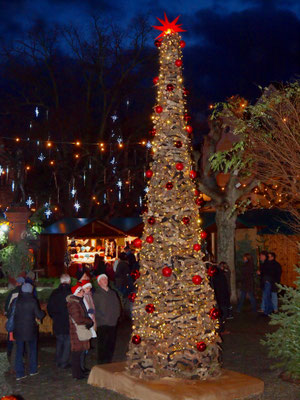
(226, 220)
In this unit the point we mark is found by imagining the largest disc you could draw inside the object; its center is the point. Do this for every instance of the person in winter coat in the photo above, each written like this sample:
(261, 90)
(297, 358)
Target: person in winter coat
(131, 259)
(27, 314)
(122, 275)
(58, 311)
(247, 282)
(276, 271)
(77, 315)
(263, 260)
(108, 310)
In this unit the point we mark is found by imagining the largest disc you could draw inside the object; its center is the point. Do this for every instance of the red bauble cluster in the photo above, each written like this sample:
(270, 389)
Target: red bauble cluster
(155, 80)
(135, 274)
(150, 239)
(201, 346)
(152, 132)
(214, 313)
(136, 339)
(167, 271)
(157, 43)
(196, 192)
(182, 44)
(211, 271)
(159, 109)
(193, 174)
(186, 220)
(189, 129)
(149, 308)
(187, 117)
(178, 144)
(151, 220)
(197, 279)
(178, 63)
(179, 166)
(137, 243)
(169, 185)
(149, 173)
(131, 297)
(199, 201)
(203, 235)
(170, 87)
(186, 92)
(197, 247)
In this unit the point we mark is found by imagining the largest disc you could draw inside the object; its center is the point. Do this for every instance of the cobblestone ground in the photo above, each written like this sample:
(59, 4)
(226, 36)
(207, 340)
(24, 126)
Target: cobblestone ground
(242, 352)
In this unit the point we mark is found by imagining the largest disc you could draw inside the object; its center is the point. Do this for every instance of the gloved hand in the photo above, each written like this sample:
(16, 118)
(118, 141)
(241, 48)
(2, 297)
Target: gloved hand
(89, 324)
(91, 311)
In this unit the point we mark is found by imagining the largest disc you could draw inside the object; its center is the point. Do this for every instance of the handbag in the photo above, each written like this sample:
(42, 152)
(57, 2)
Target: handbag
(82, 331)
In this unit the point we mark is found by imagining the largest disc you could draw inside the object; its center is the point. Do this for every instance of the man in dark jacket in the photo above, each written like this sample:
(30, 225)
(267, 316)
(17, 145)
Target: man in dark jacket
(131, 259)
(122, 275)
(107, 306)
(58, 311)
(276, 271)
(27, 314)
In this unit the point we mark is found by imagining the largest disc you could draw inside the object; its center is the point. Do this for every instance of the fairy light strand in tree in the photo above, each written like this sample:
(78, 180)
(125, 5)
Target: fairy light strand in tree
(174, 316)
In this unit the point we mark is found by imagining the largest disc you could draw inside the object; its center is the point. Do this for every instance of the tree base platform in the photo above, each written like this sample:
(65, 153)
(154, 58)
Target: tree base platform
(229, 386)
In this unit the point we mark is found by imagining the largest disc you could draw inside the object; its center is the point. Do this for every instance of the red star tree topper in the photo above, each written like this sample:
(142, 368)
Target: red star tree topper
(168, 27)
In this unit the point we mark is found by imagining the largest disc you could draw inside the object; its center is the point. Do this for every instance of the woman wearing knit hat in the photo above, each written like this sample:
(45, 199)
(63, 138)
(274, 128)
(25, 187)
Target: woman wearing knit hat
(77, 316)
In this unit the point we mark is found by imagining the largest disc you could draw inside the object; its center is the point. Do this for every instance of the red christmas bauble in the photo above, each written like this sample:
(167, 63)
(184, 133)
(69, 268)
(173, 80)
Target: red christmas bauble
(193, 174)
(186, 92)
(136, 339)
(169, 185)
(170, 87)
(179, 166)
(186, 220)
(214, 313)
(187, 117)
(135, 274)
(167, 271)
(211, 271)
(178, 63)
(196, 192)
(132, 297)
(149, 239)
(159, 109)
(182, 43)
(197, 279)
(197, 247)
(189, 129)
(199, 201)
(151, 220)
(149, 308)
(203, 235)
(201, 346)
(152, 132)
(137, 243)
(155, 80)
(149, 173)
(157, 43)
(178, 144)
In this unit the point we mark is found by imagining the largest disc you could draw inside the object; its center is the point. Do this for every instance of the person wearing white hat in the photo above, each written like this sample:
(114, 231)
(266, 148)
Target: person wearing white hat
(108, 310)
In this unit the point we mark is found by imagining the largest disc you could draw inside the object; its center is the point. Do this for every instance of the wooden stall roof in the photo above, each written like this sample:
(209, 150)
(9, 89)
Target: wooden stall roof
(83, 227)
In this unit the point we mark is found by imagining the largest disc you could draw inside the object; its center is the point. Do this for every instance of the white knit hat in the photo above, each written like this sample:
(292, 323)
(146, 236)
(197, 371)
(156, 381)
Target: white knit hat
(101, 276)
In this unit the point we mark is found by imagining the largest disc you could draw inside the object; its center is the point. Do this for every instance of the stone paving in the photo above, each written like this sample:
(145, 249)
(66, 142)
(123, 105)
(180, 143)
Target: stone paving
(242, 352)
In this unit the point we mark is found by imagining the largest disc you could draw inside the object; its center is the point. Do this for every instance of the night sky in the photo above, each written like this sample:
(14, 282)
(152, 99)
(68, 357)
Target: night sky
(232, 46)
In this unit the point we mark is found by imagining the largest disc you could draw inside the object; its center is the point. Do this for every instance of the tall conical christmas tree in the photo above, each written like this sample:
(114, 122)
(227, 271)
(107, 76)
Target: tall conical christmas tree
(175, 321)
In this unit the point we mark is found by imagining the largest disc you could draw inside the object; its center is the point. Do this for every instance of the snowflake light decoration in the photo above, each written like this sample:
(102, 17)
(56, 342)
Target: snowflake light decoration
(73, 192)
(29, 201)
(113, 161)
(1, 170)
(120, 140)
(36, 111)
(76, 205)
(146, 189)
(48, 212)
(119, 184)
(114, 118)
(41, 157)
(148, 145)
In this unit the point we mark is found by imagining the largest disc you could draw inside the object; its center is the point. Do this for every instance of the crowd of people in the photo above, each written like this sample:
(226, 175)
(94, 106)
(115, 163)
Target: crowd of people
(82, 316)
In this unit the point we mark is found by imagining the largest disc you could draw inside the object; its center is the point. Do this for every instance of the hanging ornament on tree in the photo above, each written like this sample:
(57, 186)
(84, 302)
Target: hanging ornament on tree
(169, 185)
(137, 243)
(155, 80)
(186, 220)
(166, 271)
(149, 308)
(214, 313)
(197, 279)
(200, 202)
(196, 192)
(157, 43)
(179, 166)
(201, 346)
(150, 239)
(152, 132)
(170, 87)
(189, 129)
(187, 117)
(136, 339)
(193, 174)
(182, 43)
(203, 235)
(131, 297)
(197, 247)
(135, 274)
(186, 92)
(178, 63)
(159, 109)
(149, 173)
(211, 271)
(151, 221)
(178, 144)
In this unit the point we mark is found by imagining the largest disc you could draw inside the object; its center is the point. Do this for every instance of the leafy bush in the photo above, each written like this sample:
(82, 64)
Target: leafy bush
(16, 258)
